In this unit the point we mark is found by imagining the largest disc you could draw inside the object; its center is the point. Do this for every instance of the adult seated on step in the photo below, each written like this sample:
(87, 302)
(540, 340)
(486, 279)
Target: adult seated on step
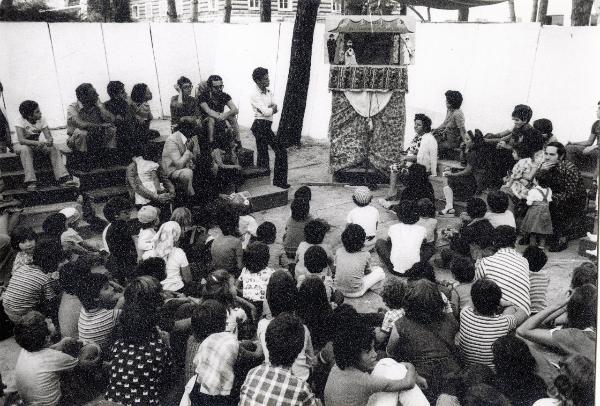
(229, 176)
(29, 128)
(90, 127)
(522, 133)
(568, 193)
(212, 101)
(148, 182)
(184, 107)
(452, 132)
(119, 107)
(178, 155)
(472, 179)
(423, 149)
(584, 154)
(140, 96)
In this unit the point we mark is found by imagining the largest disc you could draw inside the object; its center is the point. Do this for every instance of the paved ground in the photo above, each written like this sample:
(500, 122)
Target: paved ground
(309, 164)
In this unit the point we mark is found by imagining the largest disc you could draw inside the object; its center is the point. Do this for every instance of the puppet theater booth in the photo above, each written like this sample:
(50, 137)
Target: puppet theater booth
(368, 80)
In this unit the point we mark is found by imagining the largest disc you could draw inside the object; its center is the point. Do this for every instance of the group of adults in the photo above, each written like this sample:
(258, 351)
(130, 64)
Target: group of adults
(488, 158)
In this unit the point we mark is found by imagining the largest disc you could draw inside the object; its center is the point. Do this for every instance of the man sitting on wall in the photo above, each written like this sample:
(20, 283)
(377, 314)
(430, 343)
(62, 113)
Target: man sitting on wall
(90, 128)
(212, 101)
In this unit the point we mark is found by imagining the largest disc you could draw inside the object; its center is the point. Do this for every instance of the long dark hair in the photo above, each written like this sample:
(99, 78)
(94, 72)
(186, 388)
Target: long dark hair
(141, 311)
(314, 309)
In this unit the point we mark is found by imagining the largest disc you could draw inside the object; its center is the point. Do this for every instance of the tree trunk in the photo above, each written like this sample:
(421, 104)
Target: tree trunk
(172, 11)
(581, 12)
(194, 18)
(511, 11)
(227, 16)
(463, 14)
(265, 11)
(122, 11)
(296, 91)
(542, 11)
(5, 7)
(534, 10)
(428, 13)
(403, 9)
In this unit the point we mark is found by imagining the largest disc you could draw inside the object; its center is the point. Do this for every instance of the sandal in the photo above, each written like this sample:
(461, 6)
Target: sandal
(446, 212)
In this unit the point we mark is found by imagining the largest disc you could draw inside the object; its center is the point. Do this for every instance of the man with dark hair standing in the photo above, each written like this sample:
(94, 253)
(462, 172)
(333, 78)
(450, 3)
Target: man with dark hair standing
(264, 108)
(213, 101)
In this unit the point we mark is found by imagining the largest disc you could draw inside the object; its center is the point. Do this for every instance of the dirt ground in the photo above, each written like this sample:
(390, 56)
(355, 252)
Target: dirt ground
(310, 164)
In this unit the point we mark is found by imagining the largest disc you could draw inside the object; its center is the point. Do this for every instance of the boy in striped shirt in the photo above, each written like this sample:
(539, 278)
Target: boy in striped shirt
(483, 323)
(538, 278)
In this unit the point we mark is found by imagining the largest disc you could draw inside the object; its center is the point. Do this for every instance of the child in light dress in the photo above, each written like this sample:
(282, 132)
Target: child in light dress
(537, 221)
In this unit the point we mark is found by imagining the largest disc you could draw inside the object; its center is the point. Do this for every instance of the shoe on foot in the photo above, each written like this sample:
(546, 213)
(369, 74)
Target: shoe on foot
(69, 183)
(282, 185)
(31, 187)
(592, 253)
(592, 237)
(446, 212)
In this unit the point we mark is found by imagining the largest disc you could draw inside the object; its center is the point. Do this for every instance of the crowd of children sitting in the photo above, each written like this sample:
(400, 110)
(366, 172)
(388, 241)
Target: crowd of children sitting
(170, 313)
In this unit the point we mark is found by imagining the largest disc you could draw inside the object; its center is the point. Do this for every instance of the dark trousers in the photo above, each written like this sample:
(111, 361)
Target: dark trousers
(264, 138)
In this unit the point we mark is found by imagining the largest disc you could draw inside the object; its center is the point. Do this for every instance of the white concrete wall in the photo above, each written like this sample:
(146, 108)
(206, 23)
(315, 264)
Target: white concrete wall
(495, 66)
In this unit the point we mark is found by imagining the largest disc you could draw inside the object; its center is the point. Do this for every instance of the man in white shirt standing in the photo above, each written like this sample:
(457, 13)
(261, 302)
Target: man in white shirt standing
(264, 108)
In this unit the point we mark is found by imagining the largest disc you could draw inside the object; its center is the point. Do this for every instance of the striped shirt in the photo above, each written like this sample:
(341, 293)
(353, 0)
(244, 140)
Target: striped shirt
(538, 285)
(97, 325)
(27, 289)
(478, 333)
(510, 271)
(267, 385)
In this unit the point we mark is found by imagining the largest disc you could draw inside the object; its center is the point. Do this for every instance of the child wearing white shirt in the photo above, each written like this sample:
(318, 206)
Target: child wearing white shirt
(537, 220)
(364, 215)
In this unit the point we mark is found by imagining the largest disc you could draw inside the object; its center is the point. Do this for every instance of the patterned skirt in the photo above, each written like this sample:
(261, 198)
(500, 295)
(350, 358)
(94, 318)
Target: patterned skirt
(537, 219)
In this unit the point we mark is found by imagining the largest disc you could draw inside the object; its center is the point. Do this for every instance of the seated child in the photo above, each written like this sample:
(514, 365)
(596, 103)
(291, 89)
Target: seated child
(23, 240)
(537, 222)
(29, 128)
(226, 249)
(40, 365)
(100, 310)
(164, 245)
(119, 239)
(424, 270)
(393, 293)
(70, 239)
(498, 214)
(463, 271)
(252, 282)
(294, 228)
(70, 278)
(33, 286)
(364, 214)
(316, 264)
(481, 324)
(303, 192)
(149, 176)
(284, 340)
(314, 233)
(220, 286)
(216, 358)
(354, 276)
(267, 233)
(247, 224)
(538, 278)
(229, 176)
(282, 297)
(148, 216)
(427, 219)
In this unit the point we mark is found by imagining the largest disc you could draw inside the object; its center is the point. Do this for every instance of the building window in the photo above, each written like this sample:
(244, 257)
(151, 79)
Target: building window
(162, 8)
(554, 20)
(285, 4)
(335, 6)
(253, 4)
(135, 11)
(71, 3)
(148, 10)
(212, 5)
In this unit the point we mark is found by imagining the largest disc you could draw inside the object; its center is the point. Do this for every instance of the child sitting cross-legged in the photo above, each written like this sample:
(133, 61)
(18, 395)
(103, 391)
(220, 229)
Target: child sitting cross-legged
(267, 233)
(294, 228)
(41, 366)
(354, 275)
(101, 301)
(317, 265)
(217, 357)
(538, 278)
(314, 233)
(364, 214)
(255, 276)
(393, 293)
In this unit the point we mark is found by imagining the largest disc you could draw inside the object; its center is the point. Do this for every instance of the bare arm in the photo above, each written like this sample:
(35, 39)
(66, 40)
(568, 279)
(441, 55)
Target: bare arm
(210, 112)
(531, 329)
(585, 143)
(24, 141)
(233, 110)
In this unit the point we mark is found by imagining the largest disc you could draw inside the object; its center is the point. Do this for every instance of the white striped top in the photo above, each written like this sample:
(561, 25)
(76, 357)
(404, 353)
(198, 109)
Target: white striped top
(538, 285)
(478, 334)
(510, 271)
(96, 326)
